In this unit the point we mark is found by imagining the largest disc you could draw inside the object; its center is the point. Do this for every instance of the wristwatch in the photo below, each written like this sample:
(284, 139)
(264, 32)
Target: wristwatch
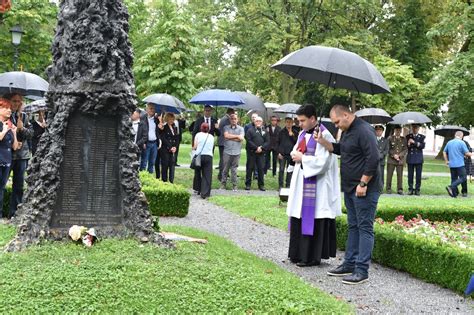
(362, 184)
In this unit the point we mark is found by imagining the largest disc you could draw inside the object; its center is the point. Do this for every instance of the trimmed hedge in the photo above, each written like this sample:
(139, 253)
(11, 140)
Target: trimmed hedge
(447, 266)
(432, 213)
(164, 199)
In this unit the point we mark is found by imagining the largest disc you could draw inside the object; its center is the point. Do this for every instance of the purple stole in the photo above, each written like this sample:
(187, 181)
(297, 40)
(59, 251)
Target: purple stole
(308, 207)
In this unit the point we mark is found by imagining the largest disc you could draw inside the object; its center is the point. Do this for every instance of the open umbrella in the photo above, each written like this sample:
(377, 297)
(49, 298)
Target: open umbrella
(251, 102)
(449, 131)
(35, 106)
(408, 118)
(374, 115)
(216, 97)
(271, 105)
(288, 108)
(23, 83)
(165, 102)
(333, 67)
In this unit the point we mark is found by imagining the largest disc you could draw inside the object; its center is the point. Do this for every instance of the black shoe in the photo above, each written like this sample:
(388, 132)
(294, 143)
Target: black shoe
(247, 187)
(450, 191)
(340, 271)
(400, 192)
(355, 278)
(177, 165)
(262, 188)
(308, 264)
(410, 192)
(389, 191)
(417, 192)
(464, 195)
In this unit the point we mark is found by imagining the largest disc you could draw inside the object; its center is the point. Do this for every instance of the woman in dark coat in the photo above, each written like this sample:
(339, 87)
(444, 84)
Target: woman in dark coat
(170, 140)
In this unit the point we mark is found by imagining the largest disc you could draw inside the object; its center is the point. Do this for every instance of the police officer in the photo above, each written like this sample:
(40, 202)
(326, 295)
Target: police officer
(416, 144)
(382, 145)
(397, 151)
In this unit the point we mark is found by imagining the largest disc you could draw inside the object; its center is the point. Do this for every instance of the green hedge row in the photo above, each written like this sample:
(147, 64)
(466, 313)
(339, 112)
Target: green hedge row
(432, 213)
(447, 266)
(164, 199)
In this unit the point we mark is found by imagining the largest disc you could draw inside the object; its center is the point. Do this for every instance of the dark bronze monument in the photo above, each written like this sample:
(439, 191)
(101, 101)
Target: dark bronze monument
(85, 169)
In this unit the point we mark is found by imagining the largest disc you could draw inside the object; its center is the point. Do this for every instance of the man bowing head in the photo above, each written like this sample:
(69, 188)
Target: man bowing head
(314, 200)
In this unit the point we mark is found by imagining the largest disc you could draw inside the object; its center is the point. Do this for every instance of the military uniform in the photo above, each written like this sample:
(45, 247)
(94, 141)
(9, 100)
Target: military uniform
(415, 161)
(396, 146)
(383, 146)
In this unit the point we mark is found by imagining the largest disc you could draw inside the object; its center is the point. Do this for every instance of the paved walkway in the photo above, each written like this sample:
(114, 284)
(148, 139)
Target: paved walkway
(388, 291)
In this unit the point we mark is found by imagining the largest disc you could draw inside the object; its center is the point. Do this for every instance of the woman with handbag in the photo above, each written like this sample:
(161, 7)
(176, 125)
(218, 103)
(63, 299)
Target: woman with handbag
(203, 145)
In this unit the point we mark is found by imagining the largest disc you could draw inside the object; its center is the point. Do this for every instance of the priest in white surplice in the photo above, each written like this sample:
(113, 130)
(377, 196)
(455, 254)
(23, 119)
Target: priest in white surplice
(315, 199)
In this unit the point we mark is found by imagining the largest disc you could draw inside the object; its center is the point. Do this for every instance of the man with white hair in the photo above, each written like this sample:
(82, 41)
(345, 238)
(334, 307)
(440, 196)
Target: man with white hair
(257, 143)
(454, 154)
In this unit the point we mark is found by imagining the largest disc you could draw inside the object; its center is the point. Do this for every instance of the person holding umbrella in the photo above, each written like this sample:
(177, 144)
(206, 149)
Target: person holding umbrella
(8, 142)
(454, 153)
(22, 155)
(416, 144)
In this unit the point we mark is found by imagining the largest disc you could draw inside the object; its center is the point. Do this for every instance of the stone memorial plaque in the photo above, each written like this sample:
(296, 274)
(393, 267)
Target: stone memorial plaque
(89, 193)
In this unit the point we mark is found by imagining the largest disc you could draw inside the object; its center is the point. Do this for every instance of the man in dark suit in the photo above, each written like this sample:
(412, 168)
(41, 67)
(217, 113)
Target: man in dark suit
(383, 146)
(416, 144)
(224, 121)
(273, 132)
(286, 141)
(258, 142)
(150, 152)
(207, 118)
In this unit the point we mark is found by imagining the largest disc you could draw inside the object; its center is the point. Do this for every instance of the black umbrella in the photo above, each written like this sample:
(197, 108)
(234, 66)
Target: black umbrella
(449, 131)
(251, 102)
(408, 118)
(165, 102)
(335, 68)
(24, 83)
(374, 115)
(288, 108)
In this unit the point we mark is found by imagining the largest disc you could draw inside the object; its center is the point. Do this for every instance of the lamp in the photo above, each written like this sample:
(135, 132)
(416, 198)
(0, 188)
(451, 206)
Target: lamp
(17, 32)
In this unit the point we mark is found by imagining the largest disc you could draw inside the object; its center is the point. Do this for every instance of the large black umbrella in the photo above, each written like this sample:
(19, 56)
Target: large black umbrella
(288, 108)
(374, 115)
(335, 68)
(251, 102)
(408, 118)
(24, 83)
(165, 102)
(449, 131)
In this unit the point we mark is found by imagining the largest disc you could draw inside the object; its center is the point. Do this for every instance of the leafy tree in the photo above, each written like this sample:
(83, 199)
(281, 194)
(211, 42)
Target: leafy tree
(38, 19)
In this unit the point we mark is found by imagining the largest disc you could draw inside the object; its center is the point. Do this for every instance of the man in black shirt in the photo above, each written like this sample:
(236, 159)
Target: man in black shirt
(360, 184)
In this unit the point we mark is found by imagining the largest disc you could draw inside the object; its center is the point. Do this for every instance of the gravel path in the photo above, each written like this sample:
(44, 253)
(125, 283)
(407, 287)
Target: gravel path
(388, 291)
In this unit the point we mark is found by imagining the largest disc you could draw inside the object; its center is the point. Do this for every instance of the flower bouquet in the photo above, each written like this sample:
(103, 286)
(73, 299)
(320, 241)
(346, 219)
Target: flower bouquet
(82, 234)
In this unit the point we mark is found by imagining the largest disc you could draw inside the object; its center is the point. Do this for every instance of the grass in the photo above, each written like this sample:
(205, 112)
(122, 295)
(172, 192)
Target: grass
(269, 212)
(128, 277)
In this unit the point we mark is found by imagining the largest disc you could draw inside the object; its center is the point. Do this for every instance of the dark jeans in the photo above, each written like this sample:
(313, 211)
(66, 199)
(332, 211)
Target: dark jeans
(458, 176)
(258, 160)
(158, 164)
(149, 157)
(168, 165)
(360, 239)
(274, 156)
(381, 177)
(18, 168)
(284, 163)
(4, 173)
(221, 162)
(412, 168)
(202, 181)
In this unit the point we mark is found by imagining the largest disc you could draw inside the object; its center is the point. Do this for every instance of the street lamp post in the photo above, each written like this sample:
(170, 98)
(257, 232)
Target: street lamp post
(17, 32)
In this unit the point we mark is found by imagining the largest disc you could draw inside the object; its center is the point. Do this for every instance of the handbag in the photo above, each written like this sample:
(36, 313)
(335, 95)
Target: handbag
(196, 160)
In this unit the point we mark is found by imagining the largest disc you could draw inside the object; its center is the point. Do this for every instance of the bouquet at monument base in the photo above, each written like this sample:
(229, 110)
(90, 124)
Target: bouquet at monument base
(83, 234)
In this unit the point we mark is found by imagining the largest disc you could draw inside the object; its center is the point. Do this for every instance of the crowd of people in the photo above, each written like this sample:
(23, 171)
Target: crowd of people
(19, 138)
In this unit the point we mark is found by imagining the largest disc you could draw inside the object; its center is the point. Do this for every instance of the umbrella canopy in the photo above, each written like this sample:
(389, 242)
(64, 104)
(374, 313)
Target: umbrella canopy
(407, 118)
(251, 102)
(288, 108)
(165, 102)
(374, 115)
(449, 131)
(23, 83)
(35, 106)
(217, 97)
(335, 68)
(271, 105)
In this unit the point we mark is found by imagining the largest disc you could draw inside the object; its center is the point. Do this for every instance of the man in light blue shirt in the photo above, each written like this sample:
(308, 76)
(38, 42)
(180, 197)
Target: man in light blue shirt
(454, 154)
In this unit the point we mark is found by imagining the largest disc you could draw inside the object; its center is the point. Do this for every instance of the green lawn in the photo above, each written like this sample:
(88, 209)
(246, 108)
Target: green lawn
(269, 211)
(124, 276)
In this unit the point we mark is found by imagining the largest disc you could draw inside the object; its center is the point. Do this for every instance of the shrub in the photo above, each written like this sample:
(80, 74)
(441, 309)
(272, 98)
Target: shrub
(448, 266)
(187, 137)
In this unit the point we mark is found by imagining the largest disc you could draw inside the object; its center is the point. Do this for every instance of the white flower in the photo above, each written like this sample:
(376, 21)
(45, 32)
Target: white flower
(76, 231)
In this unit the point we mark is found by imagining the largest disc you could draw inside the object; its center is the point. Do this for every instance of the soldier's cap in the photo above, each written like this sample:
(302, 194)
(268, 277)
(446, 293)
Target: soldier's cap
(379, 127)
(397, 127)
(415, 125)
